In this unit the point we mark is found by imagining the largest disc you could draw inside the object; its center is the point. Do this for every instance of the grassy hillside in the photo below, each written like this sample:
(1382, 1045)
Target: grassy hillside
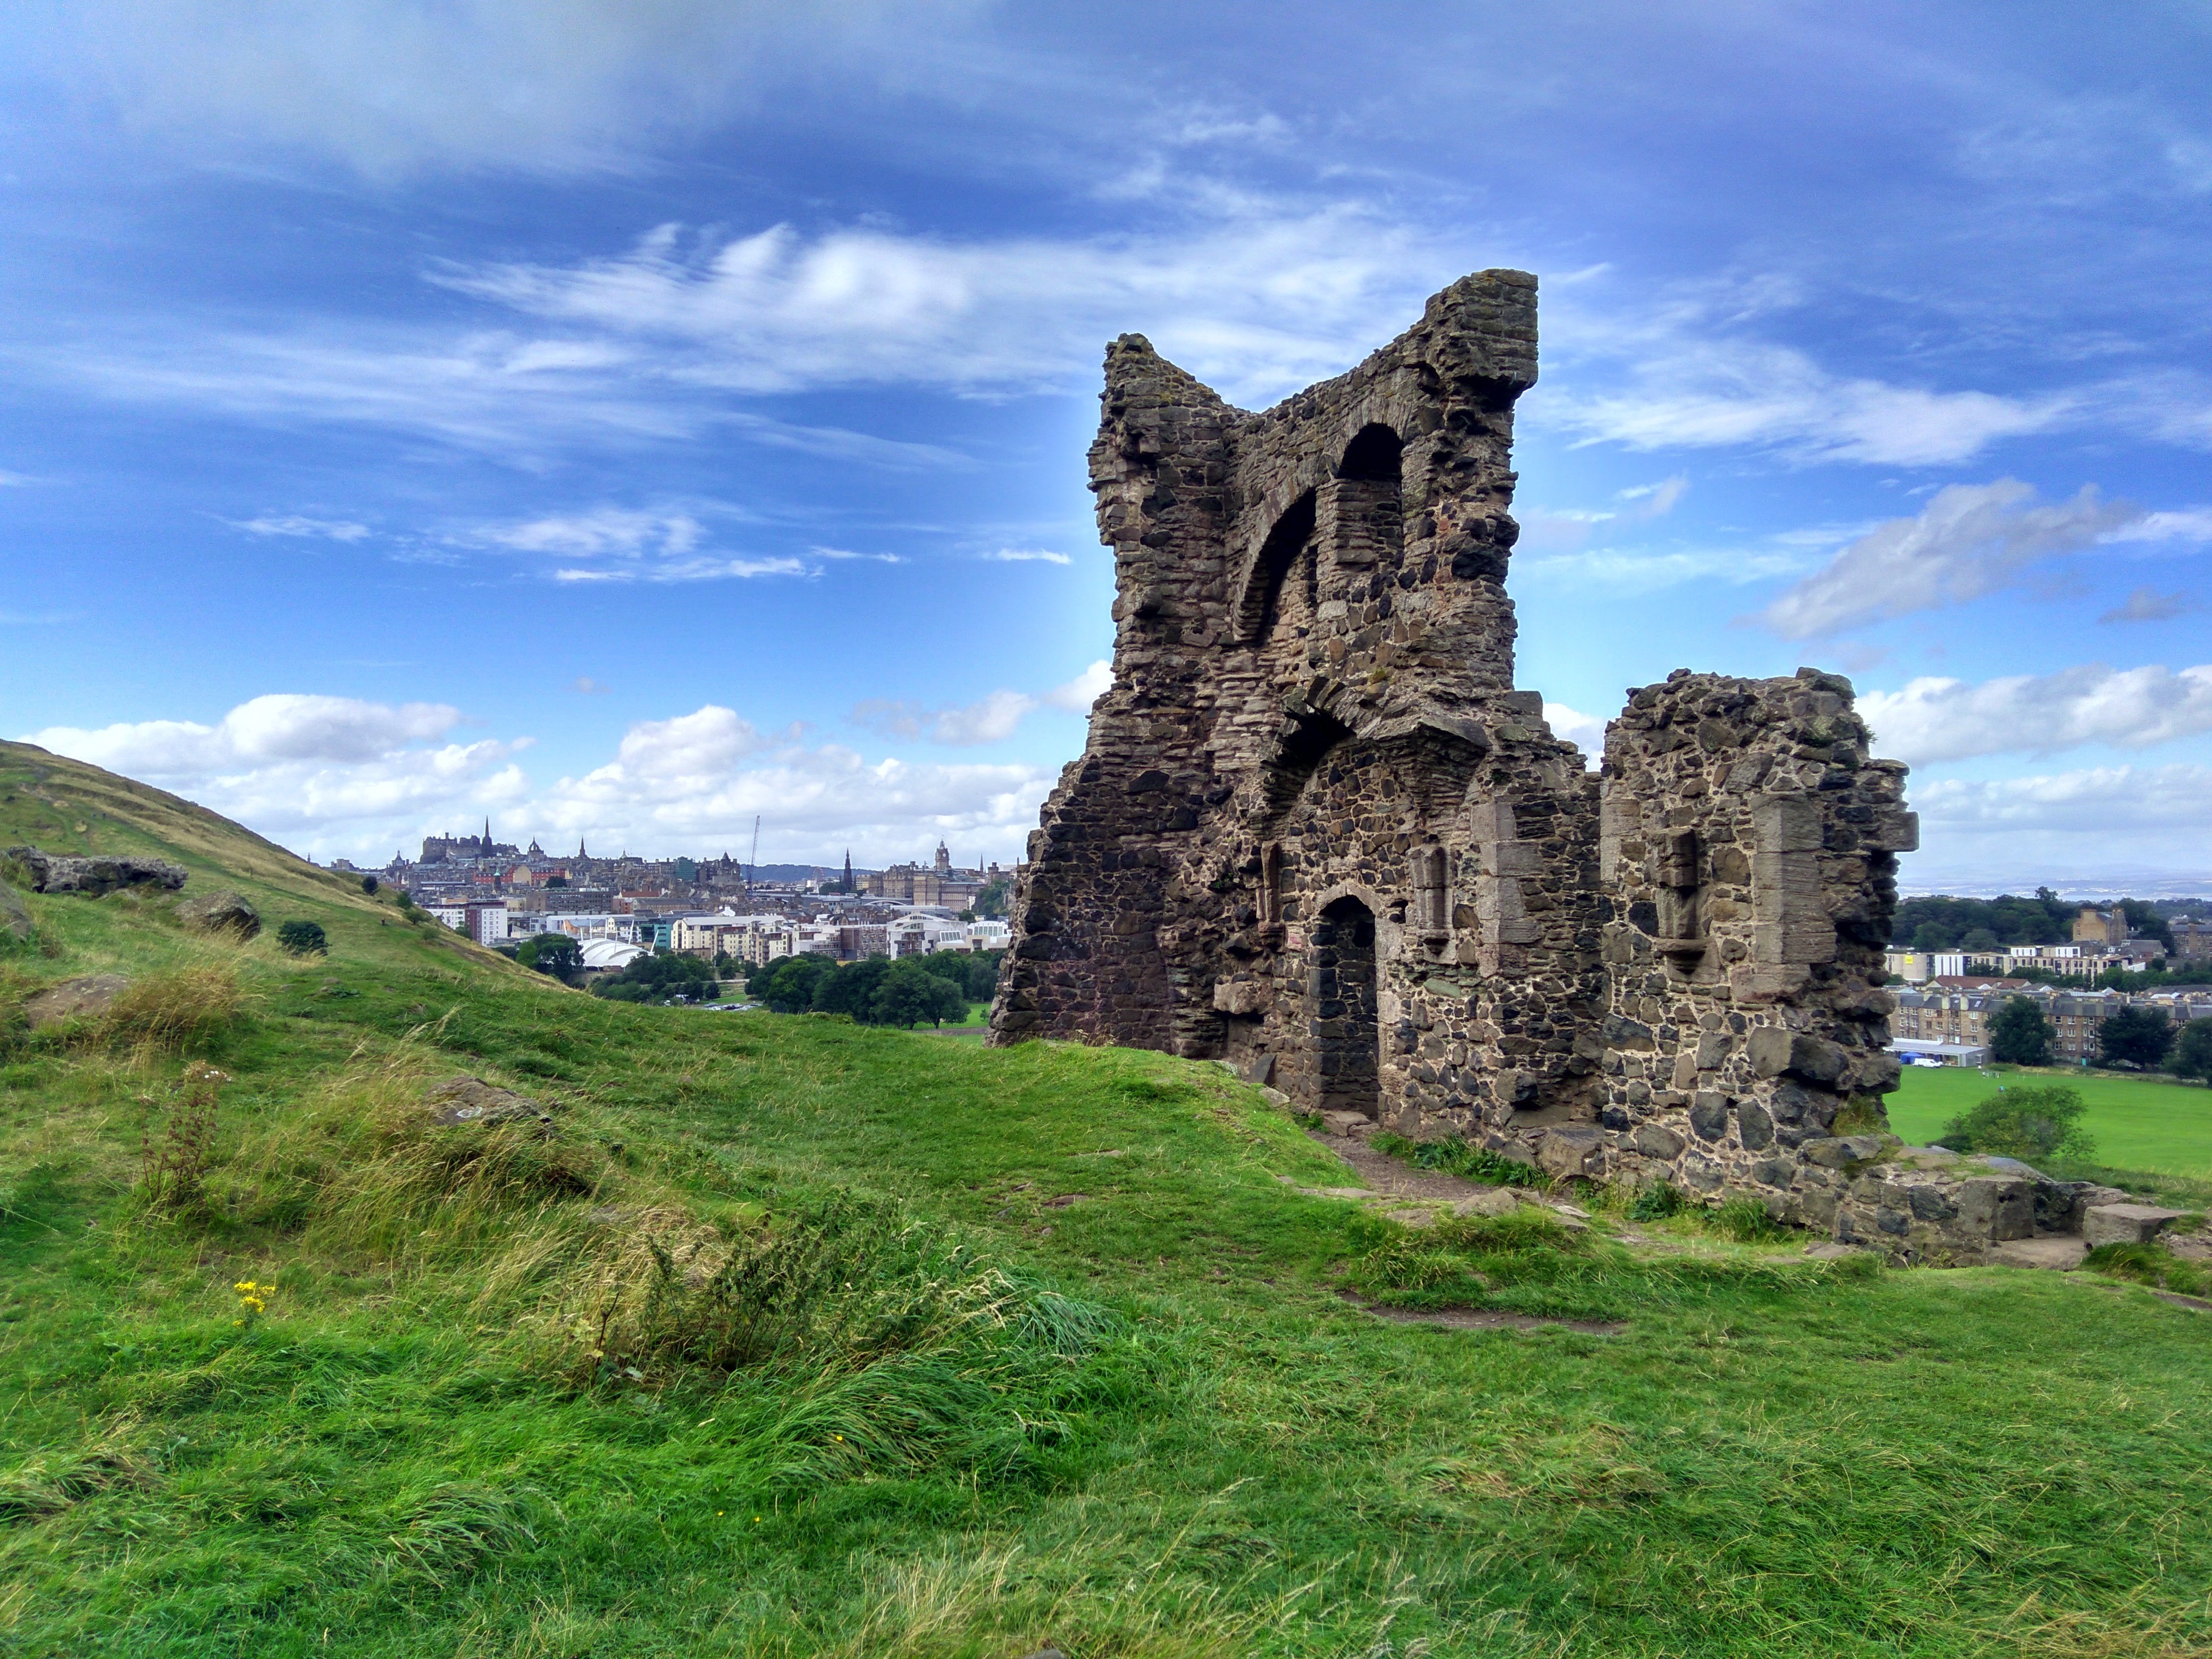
(795, 1337)
(2157, 1126)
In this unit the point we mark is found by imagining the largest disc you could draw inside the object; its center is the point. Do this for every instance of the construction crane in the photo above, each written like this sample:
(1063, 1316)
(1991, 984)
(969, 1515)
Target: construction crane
(753, 869)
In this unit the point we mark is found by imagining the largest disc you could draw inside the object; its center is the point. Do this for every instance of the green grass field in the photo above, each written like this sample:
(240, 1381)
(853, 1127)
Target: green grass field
(796, 1337)
(2163, 1128)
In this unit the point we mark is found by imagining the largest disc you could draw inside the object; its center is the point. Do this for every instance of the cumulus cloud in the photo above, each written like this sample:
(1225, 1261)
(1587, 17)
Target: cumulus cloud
(2088, 802)
(1969, 540)
(2008, 832)
(1943, 719)
(1086, 688)
(291, 524)
(333, 767)
(990, 719)
(703, 776)
(1585, 732)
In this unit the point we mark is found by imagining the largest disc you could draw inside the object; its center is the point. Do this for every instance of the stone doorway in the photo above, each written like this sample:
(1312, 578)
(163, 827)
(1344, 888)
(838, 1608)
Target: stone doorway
(1347, 1053)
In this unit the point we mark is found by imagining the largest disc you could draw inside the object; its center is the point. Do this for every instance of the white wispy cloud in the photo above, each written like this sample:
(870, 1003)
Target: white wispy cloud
(292, 523)
(550, 86)
(1945, 720)
(1024, 556)
(629, 545)
(685, 570)
(1689, 369)
(991, 719)
(2145, 605)
(1969, 540)
(1261, 298)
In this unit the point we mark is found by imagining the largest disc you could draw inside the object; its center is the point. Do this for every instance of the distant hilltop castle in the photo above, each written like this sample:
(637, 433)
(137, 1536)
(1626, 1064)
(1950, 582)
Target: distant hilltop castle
(436, 849)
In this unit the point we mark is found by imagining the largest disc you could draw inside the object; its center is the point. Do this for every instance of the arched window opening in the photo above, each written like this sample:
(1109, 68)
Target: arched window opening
(1363, 513)
(1373, 456)
(1279, 592)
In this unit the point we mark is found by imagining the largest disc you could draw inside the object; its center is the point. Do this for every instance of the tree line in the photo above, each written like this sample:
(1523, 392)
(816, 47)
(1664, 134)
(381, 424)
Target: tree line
(1942, 923)
(2131, 1039)
(878, 990)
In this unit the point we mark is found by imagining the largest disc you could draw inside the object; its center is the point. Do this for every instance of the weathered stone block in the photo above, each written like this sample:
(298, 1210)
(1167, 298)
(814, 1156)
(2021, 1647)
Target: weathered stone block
(1774, 1051)
(1657, 1140)
(1567, 1151)
(2125, 1223)
(1998, 1208)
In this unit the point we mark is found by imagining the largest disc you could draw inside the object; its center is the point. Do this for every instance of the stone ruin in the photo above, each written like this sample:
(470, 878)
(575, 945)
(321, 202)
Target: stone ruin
(1318, 835)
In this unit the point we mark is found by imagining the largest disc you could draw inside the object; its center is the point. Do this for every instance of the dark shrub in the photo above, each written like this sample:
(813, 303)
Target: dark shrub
(369, 884)
(2022, 1123)
(303, 939)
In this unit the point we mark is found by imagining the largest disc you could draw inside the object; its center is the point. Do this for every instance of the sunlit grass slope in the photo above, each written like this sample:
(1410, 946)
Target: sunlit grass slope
(796, 1337)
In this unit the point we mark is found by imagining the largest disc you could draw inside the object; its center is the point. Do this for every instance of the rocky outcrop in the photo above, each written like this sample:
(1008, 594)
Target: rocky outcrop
(16, 926)
(221, 913)
(55, 872)
(88, 998)
(471, 1100)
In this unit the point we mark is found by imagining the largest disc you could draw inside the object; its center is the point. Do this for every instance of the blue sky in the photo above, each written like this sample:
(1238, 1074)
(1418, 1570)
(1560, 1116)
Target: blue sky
(624, 419)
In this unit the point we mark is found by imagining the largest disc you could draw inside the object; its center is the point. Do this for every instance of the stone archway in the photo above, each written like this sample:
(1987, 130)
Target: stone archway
(1346, 1010)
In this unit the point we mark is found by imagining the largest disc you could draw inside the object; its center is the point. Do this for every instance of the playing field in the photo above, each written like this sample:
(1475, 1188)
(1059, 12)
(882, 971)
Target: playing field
(2137, 1124)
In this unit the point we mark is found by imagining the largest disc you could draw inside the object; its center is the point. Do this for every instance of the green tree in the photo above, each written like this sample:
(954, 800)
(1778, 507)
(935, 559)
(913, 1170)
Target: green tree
(660, 979)
(908, 993)
(994, 898)
(2019, 1035)
(555, 955)
(302, 938)
(557, 881)
(369, 884)
(788, 984)
(2023, 1123)
(2134, 1037)
(852, 989)
(2192, 1050)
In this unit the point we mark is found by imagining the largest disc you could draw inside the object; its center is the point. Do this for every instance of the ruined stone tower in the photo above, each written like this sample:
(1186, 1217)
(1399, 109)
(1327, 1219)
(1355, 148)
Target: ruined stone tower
(1316, 833)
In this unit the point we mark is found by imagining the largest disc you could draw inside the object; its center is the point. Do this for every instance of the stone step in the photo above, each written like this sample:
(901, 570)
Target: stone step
(2125, 1223)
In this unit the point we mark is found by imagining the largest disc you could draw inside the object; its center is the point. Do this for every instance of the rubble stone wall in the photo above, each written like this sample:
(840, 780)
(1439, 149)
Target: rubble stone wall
(1317, 832)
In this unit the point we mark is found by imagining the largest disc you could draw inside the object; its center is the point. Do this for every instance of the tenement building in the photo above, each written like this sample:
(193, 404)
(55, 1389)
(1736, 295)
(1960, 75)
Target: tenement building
(1317, 833)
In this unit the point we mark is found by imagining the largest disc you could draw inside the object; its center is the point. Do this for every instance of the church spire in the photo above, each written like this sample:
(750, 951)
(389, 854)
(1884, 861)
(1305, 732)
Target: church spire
(848, 869)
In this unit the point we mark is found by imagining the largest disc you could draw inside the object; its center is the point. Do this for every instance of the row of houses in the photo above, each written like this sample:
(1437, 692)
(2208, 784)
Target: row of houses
(1948, 1019)
(2075, 961)
(752, 939)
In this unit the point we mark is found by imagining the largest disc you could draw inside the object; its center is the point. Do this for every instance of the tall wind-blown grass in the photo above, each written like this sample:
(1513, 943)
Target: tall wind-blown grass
(180, 1008)
(834, 1334)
